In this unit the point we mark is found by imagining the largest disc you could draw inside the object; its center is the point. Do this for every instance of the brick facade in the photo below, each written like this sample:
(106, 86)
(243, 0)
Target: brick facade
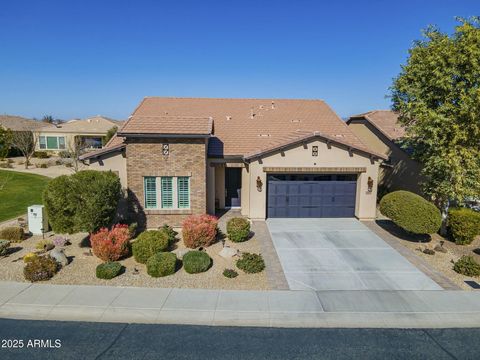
(187, 157)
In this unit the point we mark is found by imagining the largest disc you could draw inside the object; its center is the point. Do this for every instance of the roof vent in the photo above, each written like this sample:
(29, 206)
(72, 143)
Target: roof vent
(252, 113)
(229, 117)
(264, 135)
(339, 135)
(296, 120)
(273, 104)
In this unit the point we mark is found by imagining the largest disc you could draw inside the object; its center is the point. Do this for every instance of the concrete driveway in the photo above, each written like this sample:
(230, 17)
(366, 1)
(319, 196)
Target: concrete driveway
(341, 254)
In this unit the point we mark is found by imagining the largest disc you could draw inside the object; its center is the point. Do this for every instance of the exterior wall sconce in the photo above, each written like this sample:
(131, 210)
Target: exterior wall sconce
(259, 183)
(370, 184)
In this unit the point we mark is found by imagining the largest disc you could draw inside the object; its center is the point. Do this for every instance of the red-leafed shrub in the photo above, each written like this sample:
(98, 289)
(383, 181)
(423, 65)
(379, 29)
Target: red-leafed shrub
(199, 230)
(111, 245)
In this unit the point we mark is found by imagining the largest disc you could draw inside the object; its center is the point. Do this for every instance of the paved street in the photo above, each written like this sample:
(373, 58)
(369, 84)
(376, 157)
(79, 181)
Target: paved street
(81, 340)
(341, 254)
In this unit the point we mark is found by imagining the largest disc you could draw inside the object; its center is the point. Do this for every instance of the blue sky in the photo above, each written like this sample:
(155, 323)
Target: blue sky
(80, 58)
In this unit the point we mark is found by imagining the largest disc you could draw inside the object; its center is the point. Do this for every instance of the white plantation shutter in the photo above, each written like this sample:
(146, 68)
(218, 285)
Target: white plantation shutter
(150, 186)
(167, 192)
(183, 190)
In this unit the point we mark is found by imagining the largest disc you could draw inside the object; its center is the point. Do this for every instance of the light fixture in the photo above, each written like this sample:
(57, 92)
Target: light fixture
(259, 183)
(370, 184)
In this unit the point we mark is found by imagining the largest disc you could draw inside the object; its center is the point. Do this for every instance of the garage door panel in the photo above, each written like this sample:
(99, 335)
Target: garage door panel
(311, 199)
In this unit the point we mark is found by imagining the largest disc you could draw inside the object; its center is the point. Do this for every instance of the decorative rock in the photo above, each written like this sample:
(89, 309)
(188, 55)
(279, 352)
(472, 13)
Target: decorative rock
(228, 252)
(59, 256)
(181, 252)
(429, 251)
(440, 248)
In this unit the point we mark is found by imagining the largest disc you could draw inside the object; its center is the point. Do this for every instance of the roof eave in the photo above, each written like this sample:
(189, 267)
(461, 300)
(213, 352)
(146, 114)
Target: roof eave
(159, 135)
(101, 152)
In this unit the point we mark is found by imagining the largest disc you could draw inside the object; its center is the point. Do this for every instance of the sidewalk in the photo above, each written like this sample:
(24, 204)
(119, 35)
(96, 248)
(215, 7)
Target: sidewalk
(365, 309)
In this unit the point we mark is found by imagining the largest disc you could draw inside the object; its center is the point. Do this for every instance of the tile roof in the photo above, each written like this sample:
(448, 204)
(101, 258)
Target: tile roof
(18, 123)
(240, 126)
(94, 125)
(386, 121)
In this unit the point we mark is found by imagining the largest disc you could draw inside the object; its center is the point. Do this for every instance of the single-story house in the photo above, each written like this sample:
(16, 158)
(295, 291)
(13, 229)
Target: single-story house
(89, 132)
(382, 132)
(267, 157)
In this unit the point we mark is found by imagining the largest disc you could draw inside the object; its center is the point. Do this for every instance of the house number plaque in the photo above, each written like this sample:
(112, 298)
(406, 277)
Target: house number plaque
(165, 149)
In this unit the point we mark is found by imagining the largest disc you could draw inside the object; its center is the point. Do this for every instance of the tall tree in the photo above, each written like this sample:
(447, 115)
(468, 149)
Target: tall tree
(5, 142)
(110, 133)
(48, 119)
(25, 141)
(437, 94)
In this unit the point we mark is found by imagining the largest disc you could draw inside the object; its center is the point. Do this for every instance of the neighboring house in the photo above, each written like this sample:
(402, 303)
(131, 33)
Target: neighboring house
(382, 132)
(64, 136)
(270, 158)
(18, 123)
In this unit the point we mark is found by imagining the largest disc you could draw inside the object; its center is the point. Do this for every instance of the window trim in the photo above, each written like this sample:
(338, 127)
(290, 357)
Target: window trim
(159, 193)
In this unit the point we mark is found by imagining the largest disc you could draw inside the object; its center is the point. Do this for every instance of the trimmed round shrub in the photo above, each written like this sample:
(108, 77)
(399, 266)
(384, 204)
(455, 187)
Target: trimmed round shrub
(12, 233)
(411, 212)
(467, 265)
(4, 245)
(111, 245)
(464, 225)
(230, 273)
(161, 264)
(108, 270)
(40, 268)
(251, 263)
(195, 262)
(148, 243)
(170, 232)
(84, 201)
(199, 230)
(238, 229)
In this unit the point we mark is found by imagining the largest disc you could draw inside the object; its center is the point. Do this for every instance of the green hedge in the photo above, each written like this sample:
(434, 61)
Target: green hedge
(411, 212)
(463, 224)
(148, 243)
(85, 201)
(467, 265)
(161, 264)
(238, 229)
(108, 270)
(195, 262)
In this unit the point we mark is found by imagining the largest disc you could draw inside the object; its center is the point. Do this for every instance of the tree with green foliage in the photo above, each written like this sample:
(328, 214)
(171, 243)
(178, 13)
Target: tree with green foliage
(48, 119)
(5, 142)
(437, 96)
(110, 133)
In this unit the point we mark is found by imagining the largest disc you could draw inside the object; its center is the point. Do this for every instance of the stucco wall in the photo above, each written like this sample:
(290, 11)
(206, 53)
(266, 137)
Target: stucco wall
(404, 172)
(300, 156)
(115, 162)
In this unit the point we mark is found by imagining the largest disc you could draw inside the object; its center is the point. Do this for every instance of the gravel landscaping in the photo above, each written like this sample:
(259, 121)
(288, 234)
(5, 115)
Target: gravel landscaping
(440, 261)
(81, 270)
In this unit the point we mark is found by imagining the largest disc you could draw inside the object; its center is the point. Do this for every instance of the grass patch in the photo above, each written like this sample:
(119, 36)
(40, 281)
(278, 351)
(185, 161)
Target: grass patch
(20, 191)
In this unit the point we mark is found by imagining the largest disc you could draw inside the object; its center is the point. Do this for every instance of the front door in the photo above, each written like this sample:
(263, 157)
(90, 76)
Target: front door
(233, 184)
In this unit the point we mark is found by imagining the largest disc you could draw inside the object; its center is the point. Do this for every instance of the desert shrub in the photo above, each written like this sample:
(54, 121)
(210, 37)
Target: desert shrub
(44, 244)
(111, 245)
(84, 201)
(58, 162)
(199, 230)
(148, 243)
(230, 273)
(42, 166)
(161, 264)
(41, 155)
(132, 229)
(5, 165)
(195, 262)
(29, 257)
(4, 245)
(238, 229)
(12, 233)
(411, 212)
(251, 263)
(64, 154)
(170, 232)
(108, 270)
(464, 225)
(40, 268)
(467, 265)
(68, 164)
(60, 241)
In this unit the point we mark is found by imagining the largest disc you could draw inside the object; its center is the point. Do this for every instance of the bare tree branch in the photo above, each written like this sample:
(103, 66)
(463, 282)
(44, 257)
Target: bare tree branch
(25, 141)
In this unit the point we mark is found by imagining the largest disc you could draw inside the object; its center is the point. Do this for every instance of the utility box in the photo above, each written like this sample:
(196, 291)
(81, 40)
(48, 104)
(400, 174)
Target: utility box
(37, 219)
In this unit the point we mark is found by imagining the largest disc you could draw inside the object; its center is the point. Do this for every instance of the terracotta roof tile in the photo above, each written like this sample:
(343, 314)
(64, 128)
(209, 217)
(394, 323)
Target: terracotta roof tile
(240, 126)
(94, 125)
(386, 121)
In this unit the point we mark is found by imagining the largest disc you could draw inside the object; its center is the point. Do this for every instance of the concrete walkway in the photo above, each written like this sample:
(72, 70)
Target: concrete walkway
(341, 254)
(369, 309)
